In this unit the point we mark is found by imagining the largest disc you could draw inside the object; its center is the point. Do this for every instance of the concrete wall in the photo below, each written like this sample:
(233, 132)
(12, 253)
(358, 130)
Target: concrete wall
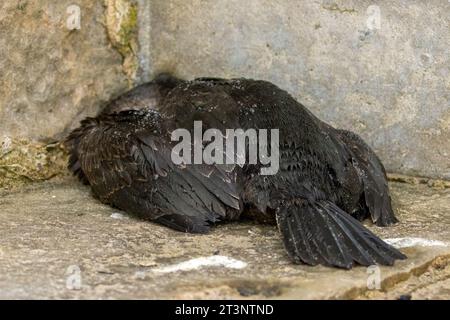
(387, 79)
(391, 85)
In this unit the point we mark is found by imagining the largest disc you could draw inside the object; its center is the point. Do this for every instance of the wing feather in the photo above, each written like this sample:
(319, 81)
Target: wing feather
(134, 172)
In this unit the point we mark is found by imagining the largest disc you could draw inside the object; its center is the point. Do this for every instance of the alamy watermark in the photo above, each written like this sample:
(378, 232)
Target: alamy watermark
(373, 277)
(73, 21)
(373, 21)
(73, 280)
(234, 147)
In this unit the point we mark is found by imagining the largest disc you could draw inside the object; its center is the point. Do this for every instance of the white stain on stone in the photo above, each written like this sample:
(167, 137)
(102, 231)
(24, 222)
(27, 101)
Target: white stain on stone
(414, 242)
(6, 144)
(211, 261)
(117, 215)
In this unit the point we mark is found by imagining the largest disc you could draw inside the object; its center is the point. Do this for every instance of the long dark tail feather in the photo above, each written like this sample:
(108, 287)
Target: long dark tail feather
(371, 172)
(322, 233)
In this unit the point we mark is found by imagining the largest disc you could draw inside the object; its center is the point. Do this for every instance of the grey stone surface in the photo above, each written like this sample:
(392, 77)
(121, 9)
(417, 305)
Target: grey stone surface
(51, 77)
(391, 85)
(55, 231)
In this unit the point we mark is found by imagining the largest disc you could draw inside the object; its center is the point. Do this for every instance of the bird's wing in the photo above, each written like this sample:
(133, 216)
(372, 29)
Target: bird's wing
(148, 95)
(135, 173)
(373, 175)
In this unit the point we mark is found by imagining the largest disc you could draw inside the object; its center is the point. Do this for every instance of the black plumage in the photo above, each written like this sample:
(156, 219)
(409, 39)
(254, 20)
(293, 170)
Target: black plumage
(327, 181)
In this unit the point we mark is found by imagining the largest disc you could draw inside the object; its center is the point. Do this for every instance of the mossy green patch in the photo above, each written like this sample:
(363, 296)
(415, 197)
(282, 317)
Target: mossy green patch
(122, 27)
(128, 29)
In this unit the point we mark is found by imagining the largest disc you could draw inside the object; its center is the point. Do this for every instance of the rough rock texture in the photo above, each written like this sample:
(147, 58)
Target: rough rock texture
(22, 162)
(122, 26)
(58, 242)
(390, 84)
(52, 76)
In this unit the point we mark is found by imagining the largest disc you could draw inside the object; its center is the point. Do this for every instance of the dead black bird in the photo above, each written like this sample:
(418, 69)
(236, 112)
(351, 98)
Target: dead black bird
(328, 179)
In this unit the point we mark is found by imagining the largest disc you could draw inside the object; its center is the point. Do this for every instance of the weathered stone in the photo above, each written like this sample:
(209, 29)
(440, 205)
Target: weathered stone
(436, 183)
(122, 26)
(51, 76)
(54, 232)
(23, 161)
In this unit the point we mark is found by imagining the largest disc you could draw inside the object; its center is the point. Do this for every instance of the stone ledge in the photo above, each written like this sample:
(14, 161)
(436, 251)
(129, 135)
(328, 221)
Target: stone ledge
(52, 228)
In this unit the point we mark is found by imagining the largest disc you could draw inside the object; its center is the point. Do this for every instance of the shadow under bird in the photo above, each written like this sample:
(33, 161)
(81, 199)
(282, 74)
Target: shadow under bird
(328, 179)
